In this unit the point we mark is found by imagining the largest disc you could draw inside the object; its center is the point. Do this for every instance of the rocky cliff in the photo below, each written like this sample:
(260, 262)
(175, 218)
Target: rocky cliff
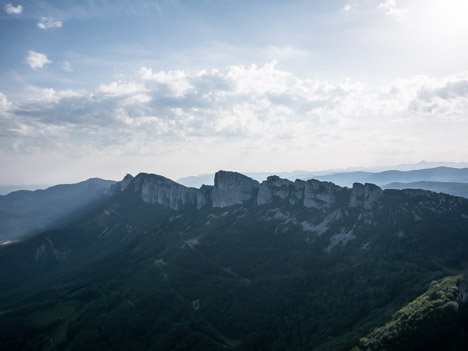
(155, 189)
(232, 188)
(365, 196)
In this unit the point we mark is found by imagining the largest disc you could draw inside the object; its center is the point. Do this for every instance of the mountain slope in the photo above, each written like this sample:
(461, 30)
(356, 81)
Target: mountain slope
(24, 211)
(436, 320)
(241, 265)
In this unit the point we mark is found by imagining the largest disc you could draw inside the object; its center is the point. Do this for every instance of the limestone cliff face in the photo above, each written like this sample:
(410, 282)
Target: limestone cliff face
(122, 185)
(231, 188)
(365, 196)
(311, 193)
(272, 187)
(162, 191)
(155, 189)
(204, 196)
(320, 194)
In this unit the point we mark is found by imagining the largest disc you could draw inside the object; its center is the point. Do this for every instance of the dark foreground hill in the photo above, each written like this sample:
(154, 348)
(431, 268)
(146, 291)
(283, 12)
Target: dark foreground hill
(280, 265)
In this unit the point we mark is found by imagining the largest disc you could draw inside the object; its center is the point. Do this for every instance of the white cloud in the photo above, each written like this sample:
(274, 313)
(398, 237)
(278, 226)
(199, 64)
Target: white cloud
(347, 7)
(13, 10)
(240, 110)
(49, 23)
(37, 60)
(391, 9)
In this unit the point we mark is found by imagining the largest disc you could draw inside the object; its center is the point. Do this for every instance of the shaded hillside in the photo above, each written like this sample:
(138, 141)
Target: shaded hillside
(241, 265)
(24, 212)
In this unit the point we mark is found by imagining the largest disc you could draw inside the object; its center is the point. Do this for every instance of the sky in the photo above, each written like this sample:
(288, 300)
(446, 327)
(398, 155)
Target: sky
(104, 88)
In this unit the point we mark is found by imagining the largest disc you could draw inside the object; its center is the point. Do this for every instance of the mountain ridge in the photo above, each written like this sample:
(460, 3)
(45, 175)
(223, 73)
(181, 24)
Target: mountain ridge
(233, 188)
(299, 265)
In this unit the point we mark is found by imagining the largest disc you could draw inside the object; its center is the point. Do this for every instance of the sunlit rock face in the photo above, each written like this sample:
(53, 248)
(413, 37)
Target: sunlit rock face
(232, 188)
(274, 186)
(167, 193)
(311, 193)
(320, 194)
(365, 196)
(156, 189)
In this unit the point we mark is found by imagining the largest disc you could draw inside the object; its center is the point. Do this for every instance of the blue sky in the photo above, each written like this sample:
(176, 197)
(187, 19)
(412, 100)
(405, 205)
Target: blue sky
(104, 88)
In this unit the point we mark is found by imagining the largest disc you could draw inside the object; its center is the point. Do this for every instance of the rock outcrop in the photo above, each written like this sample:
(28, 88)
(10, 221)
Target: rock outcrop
(163, 191)
(155, 189)
(319, 194)
(122, 185)
(274, 186)
(311, 193)
(232, 188)
(365, 196)
(204, 196)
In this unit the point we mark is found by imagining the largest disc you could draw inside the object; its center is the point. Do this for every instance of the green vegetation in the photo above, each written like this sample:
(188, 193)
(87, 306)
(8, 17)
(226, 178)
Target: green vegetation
(433, 321)
(136, 276)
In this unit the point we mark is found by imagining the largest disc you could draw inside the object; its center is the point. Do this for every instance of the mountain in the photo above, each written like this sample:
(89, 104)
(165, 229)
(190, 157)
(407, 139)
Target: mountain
(24, 212)
(456, 189)
(438, 174)
(5, 190)
(207, 178)
(239, 265)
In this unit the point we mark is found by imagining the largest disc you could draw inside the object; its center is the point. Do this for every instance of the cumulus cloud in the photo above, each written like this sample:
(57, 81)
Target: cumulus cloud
(241, 109)
(49, 23)
(391, 9)
(13, 10)
(37, 60)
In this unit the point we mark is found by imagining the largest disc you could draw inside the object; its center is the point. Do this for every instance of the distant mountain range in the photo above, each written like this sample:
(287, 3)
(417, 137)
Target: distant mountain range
(425, 171)
(439, 174)
(243, 265)
(25, 212)
(456, 189)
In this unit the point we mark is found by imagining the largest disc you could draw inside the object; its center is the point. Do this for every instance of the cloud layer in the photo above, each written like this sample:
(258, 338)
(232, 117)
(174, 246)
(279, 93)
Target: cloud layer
(240, 108)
